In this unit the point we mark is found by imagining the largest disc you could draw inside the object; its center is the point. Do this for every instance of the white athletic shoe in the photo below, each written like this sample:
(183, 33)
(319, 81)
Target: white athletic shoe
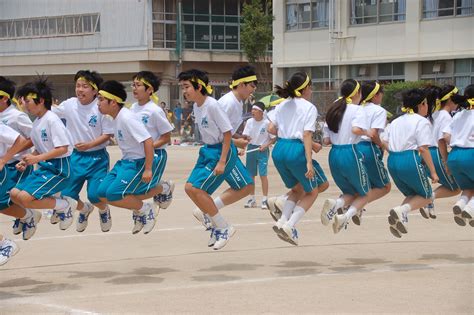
(457, 211)
(431, 210)
(17, 226)
(357, 218)
(223, 236)
(83, 217)
(279, 232)
(468, 214)
(137, 223)
(105, 219)
(202, 218)
(163, 201)
(8, 249)
(264, 205)
(212, 238)
(340, 222)
(401, 219)
(29, 226)
(329, 211)
(251, 203)
(291, 234)
(54, 219)
(65, 216)
(149, 218)
(393, 227)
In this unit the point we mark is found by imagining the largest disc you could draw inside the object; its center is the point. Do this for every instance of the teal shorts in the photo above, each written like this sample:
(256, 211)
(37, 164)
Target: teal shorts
(9, 178)
(373, 161)
(290, 161)
(409, 174)
(461, 165)
(348, 169)
(257, 161)
(444, 179)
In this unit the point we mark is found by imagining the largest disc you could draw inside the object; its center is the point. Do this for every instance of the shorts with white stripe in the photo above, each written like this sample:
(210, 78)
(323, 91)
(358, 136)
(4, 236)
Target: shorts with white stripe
(445, 179)
(461, 163)
(373, 161)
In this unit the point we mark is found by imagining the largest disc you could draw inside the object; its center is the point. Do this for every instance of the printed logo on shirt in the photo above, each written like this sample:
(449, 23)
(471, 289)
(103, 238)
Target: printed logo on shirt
(93, 121)
(120, 135)
(44, 135)
(5, 122)
(145, 119)
(204, 122)
(262, 131)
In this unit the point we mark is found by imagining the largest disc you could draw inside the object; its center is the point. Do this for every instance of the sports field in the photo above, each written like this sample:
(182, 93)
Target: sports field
(171, 270)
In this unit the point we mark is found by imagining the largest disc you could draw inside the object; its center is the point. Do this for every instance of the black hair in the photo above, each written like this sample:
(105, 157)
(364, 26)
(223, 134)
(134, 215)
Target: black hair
(150, 77)
(243, 72)
(42, 88)
(337, 109)
(116, 88)
(296, 80)
(444, 91)
(432, 93)
(7, 86)
(259, 105)
(461, 100)
(91, 76)
(367, 87)
(195, 74)
(412, 98)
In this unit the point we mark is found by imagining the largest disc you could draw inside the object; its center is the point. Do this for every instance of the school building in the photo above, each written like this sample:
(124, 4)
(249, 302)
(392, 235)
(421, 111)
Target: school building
(119, 38)
(385, 40)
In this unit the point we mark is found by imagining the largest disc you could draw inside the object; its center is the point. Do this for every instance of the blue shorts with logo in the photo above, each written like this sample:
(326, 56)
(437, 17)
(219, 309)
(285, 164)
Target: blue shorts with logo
(373, 161)
(9, 178)
(409, 174)
(445, 179)
(461, 165)
(202, 176)
(239, 176)
(290, 161)
(348, 169)
(51, 177)
(87, 166)
(125, 178)
(257, 161)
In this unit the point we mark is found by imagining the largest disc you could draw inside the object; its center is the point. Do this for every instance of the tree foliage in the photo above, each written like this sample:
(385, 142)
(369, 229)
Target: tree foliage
(392, 98)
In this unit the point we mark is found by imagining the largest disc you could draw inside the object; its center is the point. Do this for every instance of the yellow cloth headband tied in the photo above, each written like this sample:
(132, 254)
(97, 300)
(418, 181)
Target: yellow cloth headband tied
(3, 93)
(408, 110)
(471, 102)
(110, 96)
(349, 98)
(31, 96)
(94, 86)
(448, 96)
(438, 105)
(208, 87)
(372, 94)
(302, 86)
(243, 80)
(153, 96)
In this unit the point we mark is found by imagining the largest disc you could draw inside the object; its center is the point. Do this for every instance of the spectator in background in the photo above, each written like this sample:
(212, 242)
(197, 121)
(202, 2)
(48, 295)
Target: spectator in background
(178, 117)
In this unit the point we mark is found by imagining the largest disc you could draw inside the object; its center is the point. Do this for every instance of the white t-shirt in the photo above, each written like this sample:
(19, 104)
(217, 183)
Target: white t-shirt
(270, 115)
(293, 117)
(257, 131)
(461, 129)
(49, 132)
(8, 137)
(408, 132)
(21, 123)
(352, 114)
(84, 122)
(212, 121)
(154, 119)
(441, 120)
(375, 118)
(130, 134)
(233, 108)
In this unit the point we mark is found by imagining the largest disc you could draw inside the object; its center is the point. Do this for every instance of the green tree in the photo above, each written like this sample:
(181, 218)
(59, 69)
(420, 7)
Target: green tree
(256, 34)
(392, 98)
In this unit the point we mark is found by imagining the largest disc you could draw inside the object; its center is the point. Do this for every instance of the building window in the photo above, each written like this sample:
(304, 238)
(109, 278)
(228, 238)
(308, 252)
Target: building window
(164, 23)
(306, 14)
(377, 11)
(463, 73)
(67, 25)
(436, 8)
(459, 72)
(384, 72)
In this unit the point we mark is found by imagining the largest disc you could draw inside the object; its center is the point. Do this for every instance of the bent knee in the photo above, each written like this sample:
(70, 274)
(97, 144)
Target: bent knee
(189, 189)
(323, 187)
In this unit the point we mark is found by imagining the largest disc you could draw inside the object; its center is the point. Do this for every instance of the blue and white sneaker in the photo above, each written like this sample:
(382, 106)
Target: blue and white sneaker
(54, 219)
(401, 219)
(17, 226)
(149, 217)
(202, 218)
(279, 232)
(29, 226)
(163, 201)
(223, 236)
(212, 238)
(431, 210)
(105, 219)
(83, 217)
(468, 214)
(329, 211)
(8, 249)
(291, 234)
(393, 227)
(340, 222)
(65, 216)
(137, 223)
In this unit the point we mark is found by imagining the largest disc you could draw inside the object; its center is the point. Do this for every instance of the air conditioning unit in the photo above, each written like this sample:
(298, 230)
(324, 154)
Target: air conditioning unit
(438, 67)
(364, 71)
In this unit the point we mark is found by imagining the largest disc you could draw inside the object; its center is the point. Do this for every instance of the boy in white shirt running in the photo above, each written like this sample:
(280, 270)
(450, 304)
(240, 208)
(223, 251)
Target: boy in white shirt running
(90, 132)
(145, 85)
(135, 176)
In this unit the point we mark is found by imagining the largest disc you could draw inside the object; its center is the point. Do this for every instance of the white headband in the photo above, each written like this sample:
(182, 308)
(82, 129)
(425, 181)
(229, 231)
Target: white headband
(258, 108)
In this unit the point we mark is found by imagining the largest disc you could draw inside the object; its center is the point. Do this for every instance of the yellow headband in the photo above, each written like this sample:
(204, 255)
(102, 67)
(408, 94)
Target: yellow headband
(243, 80)
(153, 96)
(448, 96)
(94, 86)
(349, 98)
(438, 105)
(408, 110)
(3, 93)
(471, 102)
(208, 87)
(372, 94)
(110, 96)
(31, 96)
(302, 86)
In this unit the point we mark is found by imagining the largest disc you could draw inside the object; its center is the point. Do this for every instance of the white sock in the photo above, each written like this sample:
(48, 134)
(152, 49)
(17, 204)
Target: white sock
(28, 214)
(264, 198)
(339, 203)
(287, 210)
(351, 212)
(61, 204)
(471, 203)
(298, 213)
(105, 210)
(462, 201)
(219, 204)
(143, 209)
(433, 196)
(219, 221)
(406, 208)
